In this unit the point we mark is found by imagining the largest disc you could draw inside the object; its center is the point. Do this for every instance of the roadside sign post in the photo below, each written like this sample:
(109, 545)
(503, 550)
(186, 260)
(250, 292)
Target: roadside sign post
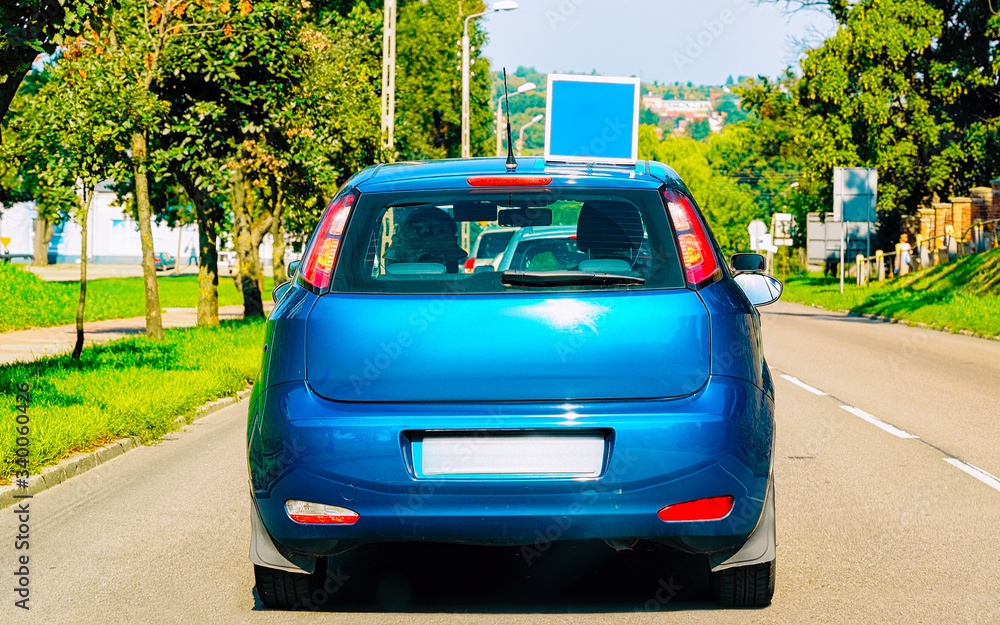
(781, 233)
(855, 195)
(757, 229)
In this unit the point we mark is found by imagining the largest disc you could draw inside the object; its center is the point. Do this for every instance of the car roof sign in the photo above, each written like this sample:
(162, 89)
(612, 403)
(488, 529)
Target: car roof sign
(592, 119)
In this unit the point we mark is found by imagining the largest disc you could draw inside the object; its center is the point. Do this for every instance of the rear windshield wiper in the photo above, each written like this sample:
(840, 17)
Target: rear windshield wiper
(567, 278)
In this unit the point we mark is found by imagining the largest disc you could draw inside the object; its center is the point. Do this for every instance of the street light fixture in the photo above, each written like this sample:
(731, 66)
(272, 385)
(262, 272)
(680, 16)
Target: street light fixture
(502, 5)
(520, 135)
(525, 88)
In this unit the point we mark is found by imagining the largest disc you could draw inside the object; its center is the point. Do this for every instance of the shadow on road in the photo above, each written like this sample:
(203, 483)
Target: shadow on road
(564, 578)
(849, 318)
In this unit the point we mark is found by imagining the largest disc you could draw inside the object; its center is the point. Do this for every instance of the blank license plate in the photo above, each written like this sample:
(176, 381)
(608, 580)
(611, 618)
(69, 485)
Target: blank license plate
(517, 454)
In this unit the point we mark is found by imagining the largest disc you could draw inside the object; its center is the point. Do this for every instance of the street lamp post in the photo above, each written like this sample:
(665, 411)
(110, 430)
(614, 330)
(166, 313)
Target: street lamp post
(502, 5)
(525, 88)
(389, 74)
(520, 135)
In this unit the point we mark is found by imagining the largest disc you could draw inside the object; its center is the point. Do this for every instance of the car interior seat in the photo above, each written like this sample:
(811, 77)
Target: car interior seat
(611, 233)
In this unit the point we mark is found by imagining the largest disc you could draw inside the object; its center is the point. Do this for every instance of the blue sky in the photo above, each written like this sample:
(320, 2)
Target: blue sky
(668, 40)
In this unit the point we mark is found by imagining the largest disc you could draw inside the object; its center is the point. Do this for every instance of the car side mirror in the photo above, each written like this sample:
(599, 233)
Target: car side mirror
(747, 262)
(761, 289)
(280, 290)
(293, 267)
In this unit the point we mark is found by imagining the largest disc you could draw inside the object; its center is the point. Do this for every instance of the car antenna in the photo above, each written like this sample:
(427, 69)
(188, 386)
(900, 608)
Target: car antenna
(511, 163)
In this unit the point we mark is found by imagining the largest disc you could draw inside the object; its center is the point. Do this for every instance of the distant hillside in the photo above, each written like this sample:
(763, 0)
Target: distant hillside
(721, 106)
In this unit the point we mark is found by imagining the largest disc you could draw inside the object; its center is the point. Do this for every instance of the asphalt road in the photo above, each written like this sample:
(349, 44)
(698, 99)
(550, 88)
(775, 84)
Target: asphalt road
(879, 520)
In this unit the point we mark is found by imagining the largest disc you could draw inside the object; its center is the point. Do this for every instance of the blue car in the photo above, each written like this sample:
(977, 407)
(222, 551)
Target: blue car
(618, 393)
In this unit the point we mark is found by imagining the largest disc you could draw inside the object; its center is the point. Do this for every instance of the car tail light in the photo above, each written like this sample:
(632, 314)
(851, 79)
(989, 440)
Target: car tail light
(509, 180)
(309, 513)
(697, 255)
(470, 264)
(321, 257)
(710, 509)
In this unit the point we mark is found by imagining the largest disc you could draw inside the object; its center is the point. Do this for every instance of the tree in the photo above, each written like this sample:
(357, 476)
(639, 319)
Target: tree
(429, 81)
(65, 145)
(133, 41)
(727, 205)
(647, 116)
(908, 87)
(26, 175)
(267, 122)
(700, 130)
(30, 27)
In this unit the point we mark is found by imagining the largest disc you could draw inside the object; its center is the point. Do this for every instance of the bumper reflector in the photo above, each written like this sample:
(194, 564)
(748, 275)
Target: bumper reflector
(309, 513)
(710, 509)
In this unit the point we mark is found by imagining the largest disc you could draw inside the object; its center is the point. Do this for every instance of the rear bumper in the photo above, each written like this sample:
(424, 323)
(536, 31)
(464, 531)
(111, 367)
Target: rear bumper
(716, 442)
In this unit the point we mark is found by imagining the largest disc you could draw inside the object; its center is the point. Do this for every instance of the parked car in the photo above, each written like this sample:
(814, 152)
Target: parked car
(619, 390)
(540, 248)
(488, 246)
(164, 261)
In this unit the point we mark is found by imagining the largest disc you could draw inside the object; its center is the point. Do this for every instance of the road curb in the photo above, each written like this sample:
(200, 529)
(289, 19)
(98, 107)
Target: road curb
(85, 461)
(920, 324)
(905, 322)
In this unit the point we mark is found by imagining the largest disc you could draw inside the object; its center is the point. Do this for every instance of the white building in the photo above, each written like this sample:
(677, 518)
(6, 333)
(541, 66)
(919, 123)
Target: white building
(112, 235)
(15, 224)
(677, 108)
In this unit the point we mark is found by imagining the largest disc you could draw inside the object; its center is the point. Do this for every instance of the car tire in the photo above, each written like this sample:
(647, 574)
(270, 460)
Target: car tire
(744, 586)
(282, 590)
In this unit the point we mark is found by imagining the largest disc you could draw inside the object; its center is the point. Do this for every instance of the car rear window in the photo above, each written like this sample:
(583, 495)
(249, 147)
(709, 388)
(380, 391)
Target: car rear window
(559, 240)
(491, 244)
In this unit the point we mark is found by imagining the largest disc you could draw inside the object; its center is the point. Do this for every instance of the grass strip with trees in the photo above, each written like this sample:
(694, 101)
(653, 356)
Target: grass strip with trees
(962, 295)
(134, 387)
(27, 301)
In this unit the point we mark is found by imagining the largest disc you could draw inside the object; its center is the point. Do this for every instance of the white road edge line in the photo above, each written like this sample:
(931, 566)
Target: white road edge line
(801, 384)
(984, 477)
(882, 425)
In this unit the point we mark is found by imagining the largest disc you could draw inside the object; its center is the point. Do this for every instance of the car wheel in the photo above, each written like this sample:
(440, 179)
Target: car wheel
(283, 590)
(744, 586)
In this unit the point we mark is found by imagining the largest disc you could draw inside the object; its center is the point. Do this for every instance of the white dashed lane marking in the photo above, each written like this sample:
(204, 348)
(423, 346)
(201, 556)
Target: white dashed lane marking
(880, 424)
(984, 477)
(799, 383)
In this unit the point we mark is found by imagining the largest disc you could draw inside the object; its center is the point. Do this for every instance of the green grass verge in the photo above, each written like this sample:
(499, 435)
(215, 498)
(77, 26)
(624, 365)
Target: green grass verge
(27, 301)
(134, 387)
(961, 295)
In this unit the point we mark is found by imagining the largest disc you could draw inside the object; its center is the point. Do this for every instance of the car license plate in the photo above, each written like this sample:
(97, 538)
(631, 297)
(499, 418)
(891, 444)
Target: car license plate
(578, 455)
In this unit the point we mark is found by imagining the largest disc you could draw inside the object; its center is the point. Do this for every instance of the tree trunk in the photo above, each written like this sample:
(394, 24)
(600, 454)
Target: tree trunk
(208, 273)
(209, 215)
(249, 268)
(88, 195)
(40, 246)
(177, 259)
(278, 255)
(257, 231)
(154, 322)
(278, 235)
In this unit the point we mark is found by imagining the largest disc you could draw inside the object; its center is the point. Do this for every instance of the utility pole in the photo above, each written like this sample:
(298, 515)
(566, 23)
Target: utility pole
(389, 74)
(466, 124)
(500, 126)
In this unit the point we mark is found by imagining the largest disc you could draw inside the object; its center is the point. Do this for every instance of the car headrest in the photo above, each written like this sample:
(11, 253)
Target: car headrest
(607, 228)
